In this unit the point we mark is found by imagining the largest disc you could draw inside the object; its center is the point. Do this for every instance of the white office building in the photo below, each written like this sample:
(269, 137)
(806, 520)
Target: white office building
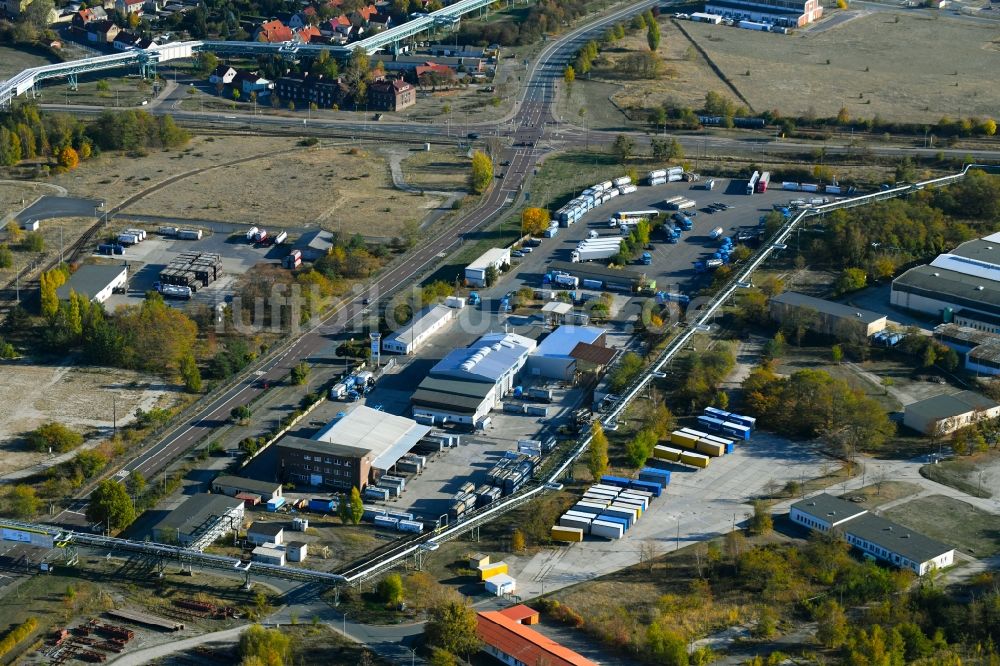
(419, 330)
(475, 273)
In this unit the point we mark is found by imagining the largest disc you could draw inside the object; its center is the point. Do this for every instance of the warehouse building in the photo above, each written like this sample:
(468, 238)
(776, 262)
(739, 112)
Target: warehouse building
(824, 512)
(352, 451)
(873, 535)
(95, 281)
(227, 484)
(785, 13)
(944, 414)
(449, 400)
(961, 286)
(419, 330)
(613, 279)
(262, 533)
(832, 319)
(553, 358)
(269, 554)
(891, 542)
(493, 363)
(200, 520)
(979, 349)
(506, 638)
(497, 258)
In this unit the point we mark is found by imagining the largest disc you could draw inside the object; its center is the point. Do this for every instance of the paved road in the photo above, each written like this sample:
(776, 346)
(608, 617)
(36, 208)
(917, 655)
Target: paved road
(48, 207)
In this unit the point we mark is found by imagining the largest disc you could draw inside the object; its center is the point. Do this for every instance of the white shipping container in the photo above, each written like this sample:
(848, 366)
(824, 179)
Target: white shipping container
(501, 584)
(833, 189)
(592, 508)
(659, 173)
(793, 187)
(621, 180)
(810, 187)
(578, 523)
(604, 486)
(658, 181)
(603, 528)
(627, 189)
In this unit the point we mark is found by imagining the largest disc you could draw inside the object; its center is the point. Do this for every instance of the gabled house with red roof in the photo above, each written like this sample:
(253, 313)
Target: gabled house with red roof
(505, 637)
(272, 32)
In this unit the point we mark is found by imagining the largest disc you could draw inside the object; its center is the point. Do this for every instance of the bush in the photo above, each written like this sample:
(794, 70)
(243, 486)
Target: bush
(17, 634)
(55, 436)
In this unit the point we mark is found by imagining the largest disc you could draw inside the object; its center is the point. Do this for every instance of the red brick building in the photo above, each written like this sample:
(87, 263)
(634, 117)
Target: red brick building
(391, 95)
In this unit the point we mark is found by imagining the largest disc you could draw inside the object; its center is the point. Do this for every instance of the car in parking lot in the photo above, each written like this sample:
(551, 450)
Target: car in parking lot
(527, 250)
(517, 254)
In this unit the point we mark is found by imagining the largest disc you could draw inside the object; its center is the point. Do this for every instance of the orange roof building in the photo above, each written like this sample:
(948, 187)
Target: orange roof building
(507, 639)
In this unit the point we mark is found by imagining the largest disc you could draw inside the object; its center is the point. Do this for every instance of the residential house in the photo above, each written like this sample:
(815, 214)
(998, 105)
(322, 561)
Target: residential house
(430, 73)
(391, 95)
(223, 74)
(102, 32)
(250, 82)
(89, 15)
(307, 34)
(125, 41)
(272, 32)
(366, 13)
(380, 22)
(299, 20)
(129, 6)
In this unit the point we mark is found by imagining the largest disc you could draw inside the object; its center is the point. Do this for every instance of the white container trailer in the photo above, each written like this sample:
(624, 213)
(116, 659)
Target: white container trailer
(791, 187)
(621, 180)
(281, 238)
(675, 171)
(608, 530)
(604, 486)
(577, 522)
(606, 185)
(810, 187)
(627, 189)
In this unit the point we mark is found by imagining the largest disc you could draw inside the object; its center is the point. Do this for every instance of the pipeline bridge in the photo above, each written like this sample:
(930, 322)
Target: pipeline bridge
(398, 553)
(26, 81)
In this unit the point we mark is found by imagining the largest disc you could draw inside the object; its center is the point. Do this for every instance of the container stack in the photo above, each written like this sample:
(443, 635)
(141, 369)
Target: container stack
(193, 269)
(610, 508)
(511, 472)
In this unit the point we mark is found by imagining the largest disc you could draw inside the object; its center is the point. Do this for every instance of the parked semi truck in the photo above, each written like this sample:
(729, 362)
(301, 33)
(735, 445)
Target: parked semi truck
(596, 248)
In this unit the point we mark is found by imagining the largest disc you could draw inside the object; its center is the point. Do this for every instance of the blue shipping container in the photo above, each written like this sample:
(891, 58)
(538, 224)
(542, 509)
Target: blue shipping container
(747, 421)
(717, 413)
(710, 422)
(736, 430)
(648, 486)
(618, 481)
(615, 519)
(321, 505)
(729, 447)
(657, 473)
(275, 504)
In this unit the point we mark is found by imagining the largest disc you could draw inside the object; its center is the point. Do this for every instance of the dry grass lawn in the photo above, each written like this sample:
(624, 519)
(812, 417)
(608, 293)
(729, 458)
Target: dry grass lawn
(439, 167)
(14, 60)
(12, 194)
(821, 70)
(326, 185)
(61, 232)
(78, 397)
(902, 83)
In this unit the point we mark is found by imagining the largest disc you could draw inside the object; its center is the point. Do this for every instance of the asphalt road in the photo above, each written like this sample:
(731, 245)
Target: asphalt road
(49, 207)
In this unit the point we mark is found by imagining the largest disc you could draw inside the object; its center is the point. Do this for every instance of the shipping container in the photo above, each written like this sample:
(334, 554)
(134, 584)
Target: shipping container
(575, 522)
(630, 513)
(189, 234)
(661, 476)
(710, 448)
(752, 183)
(321, 505)
(167, 231)
(694, 459)
(592, 508)
(641, 503)
(501, 585)
(710, 422)
(736, 430)
(370, 513)
(647, 486)
(275, 503)
(604, 486)
(810, 187)
(763, 182)
(567, 534)
(617, 481)
(659, 173)
(622, 520)
(490, 570)
(394, 491)
(791, 187)
(592, 498)
(386, 522)
(607, 529)
(683, 439)
(666, 453)
(414, 526)
(281, 238)
(376, 493)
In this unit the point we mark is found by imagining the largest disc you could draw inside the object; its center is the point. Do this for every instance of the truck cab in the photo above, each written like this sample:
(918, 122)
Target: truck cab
(474, 298)
(647, 259)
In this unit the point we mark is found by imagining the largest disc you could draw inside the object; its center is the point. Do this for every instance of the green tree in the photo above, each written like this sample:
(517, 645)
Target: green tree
(667, 647)
(356, 509)
(90, 463)
(517, 541)
(240, 414)
(623, 147)
(54, 436)
(34, 242)
(452, 627)
(482, 171)
(662, 421)
(14, 232)
(390, 589)
(190, 374)
(300, 373)
(569, 75)
(39, 14)
(831, 624)
(491, 276)
(850, 279)
(440, 657)
(640, 448)
(266, 647)
(625, 372)
(206, 62)
(837, 354)
(10, 147)
(761, 522)
(597, 460)
(22, 502)
(110, 505)
(653, 36)
(136, 482)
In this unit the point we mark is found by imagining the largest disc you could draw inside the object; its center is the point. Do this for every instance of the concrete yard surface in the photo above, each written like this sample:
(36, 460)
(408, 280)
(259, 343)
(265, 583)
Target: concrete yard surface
(698, 504)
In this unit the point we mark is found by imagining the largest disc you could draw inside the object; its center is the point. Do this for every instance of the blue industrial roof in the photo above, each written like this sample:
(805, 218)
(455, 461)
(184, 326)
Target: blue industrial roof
(486, 360)
(564, 339)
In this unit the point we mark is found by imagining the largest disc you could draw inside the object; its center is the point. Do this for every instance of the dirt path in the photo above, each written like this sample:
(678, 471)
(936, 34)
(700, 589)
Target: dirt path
(151, 654)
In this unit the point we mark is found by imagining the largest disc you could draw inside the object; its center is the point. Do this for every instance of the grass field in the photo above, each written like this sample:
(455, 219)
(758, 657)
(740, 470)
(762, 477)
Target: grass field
(325, 185)
(888, 491)
(13, 60)
(951, 521)
(875, 65)
(440, 167)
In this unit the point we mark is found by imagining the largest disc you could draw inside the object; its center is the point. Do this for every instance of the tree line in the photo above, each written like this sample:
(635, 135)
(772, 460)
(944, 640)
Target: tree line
(27, 133)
